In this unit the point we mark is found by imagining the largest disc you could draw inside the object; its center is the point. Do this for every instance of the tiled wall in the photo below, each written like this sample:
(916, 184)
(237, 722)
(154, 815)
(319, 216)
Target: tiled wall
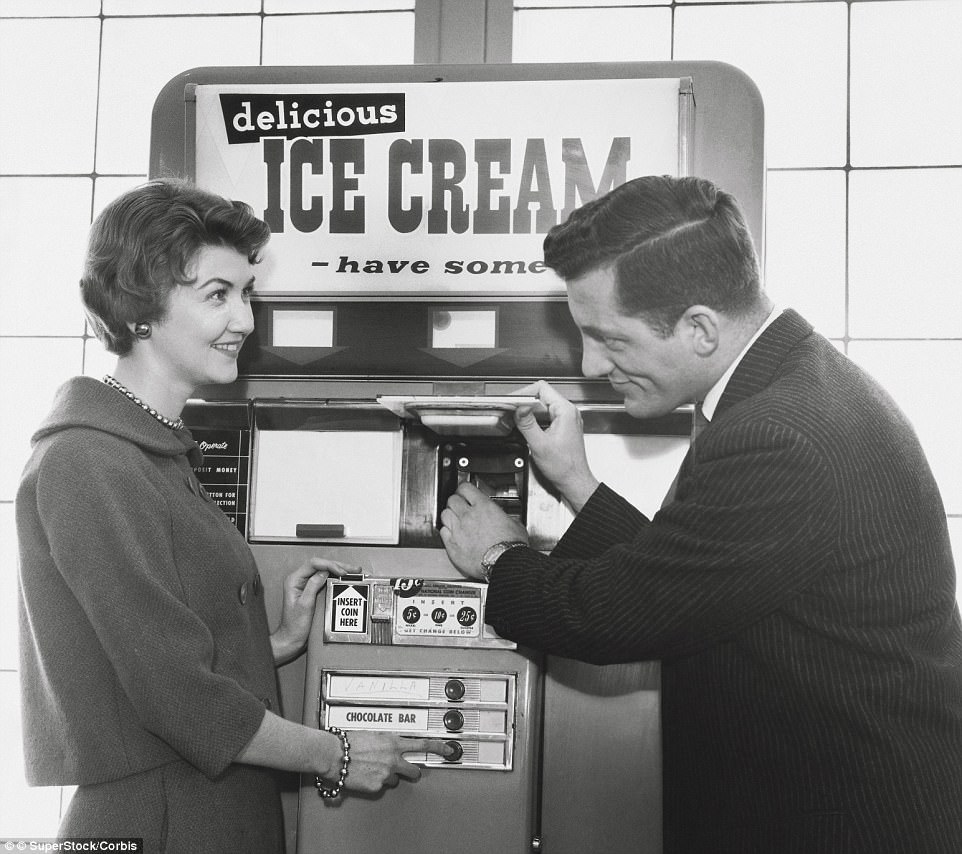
(864, 150)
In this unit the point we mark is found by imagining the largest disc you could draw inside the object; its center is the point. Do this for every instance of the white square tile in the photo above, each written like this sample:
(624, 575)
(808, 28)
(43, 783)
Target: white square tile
(382, 38)
(45, 8)
(805, 246)
(48, 97)
(796, 54)
(272, 6)
(43, 238)
(140, 56)
(905, 253)
(906, 99)
(9, 660)
(922, 377)
(180, 7)
(31, 371)
(589, 4)
(108, 189)
(591, 35)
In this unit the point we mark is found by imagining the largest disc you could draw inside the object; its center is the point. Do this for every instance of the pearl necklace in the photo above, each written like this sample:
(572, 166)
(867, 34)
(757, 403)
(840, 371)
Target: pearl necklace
(163, 419)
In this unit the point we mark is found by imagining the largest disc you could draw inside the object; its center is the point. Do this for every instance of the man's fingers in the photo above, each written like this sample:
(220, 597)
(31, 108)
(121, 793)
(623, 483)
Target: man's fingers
(448, 519)
(457, 504)
(526, 422)
(470, 494)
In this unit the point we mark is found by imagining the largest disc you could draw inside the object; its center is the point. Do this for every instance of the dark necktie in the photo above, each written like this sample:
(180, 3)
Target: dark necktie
(698, 423)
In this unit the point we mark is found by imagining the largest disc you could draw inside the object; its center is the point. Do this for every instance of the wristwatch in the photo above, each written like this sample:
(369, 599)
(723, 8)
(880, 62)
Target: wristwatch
(490, 557)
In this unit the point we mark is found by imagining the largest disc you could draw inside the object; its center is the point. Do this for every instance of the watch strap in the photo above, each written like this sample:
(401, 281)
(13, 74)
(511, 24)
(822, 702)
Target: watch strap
(491, 556)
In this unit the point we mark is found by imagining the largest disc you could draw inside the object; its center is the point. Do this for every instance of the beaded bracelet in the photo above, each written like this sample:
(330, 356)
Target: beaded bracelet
(345, 761)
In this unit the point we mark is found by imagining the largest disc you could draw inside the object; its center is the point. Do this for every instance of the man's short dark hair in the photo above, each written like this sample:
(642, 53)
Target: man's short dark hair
(671, 242)
(142, 245)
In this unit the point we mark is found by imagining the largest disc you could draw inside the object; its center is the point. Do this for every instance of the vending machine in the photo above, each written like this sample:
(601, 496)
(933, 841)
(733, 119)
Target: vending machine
(400, 305)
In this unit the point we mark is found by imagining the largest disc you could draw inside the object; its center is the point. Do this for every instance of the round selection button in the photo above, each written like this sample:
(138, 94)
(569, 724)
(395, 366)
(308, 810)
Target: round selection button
(457, 751)
(453, 720)
(454, 689)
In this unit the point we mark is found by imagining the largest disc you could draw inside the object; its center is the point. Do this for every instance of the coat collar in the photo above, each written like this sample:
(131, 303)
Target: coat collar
(86, 402)
(758, 367)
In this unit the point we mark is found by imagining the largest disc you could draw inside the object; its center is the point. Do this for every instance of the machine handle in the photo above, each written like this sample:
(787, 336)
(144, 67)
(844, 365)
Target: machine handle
(327, 532)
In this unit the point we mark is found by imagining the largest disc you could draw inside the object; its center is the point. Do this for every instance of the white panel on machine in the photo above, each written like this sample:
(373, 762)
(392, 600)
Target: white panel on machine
(327, 485)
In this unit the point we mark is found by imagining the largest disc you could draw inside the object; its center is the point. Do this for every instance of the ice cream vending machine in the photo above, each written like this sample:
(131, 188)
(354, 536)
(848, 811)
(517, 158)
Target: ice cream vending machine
(400, 305)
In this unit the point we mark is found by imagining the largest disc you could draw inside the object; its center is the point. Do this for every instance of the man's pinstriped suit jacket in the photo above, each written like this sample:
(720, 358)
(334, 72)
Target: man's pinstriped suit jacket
(800, 593)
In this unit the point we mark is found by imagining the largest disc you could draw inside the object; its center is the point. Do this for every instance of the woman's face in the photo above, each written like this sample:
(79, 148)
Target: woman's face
(198, 340)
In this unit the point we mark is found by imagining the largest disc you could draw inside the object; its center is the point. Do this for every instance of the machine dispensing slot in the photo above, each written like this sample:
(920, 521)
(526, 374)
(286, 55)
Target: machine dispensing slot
(499, 468)
(477, 444)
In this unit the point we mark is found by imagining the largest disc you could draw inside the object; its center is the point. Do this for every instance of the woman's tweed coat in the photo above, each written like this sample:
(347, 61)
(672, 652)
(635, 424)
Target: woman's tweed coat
(145, 654)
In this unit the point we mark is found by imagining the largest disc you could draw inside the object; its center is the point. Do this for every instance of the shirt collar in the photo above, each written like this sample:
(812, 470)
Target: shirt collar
(715, 392)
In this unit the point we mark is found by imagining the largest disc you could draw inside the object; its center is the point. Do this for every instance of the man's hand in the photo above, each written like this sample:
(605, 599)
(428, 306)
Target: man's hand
(471, 524)
(559, 449)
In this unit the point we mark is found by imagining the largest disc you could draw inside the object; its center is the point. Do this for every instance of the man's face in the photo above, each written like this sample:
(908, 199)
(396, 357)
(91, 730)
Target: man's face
(653, 374)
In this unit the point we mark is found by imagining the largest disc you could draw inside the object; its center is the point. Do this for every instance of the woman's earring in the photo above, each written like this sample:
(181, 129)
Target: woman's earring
(142, 330)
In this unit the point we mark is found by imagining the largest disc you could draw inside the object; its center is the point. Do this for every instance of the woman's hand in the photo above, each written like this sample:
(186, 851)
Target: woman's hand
(377, 761)
(376, 757)
(300, 599)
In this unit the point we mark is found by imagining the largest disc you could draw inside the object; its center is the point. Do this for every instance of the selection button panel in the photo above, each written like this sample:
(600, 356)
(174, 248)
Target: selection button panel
(474, 712)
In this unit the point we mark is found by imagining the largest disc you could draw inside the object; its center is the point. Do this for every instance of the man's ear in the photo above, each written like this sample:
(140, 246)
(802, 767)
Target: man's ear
(702, 325)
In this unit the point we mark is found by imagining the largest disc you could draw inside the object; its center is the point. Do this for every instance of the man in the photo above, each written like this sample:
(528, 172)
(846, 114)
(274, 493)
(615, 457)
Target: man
(798, 585)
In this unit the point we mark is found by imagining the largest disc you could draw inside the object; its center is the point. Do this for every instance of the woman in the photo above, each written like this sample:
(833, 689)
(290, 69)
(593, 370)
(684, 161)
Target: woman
(147, 665)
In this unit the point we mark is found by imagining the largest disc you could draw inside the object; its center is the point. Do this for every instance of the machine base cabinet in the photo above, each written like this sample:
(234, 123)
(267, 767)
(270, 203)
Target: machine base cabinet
(601, 782)
(484, 699)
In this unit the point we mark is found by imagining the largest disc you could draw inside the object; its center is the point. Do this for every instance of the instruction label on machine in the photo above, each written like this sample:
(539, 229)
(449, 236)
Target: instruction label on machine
(349, 607)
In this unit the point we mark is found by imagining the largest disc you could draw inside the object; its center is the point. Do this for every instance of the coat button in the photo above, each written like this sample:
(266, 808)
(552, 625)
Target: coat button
(242, 593)
(267, 703)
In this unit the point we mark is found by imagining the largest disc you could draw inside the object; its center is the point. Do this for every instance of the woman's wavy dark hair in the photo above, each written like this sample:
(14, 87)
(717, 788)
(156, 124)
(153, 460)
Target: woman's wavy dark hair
(142, 246)
(671, 242)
